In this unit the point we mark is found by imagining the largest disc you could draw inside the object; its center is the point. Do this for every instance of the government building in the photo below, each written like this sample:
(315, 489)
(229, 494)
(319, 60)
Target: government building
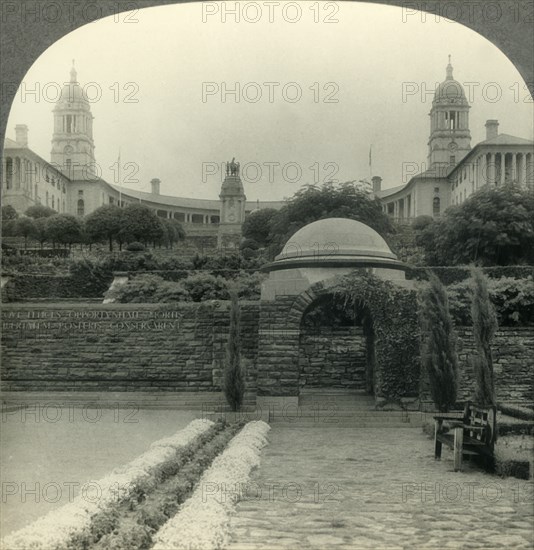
(455, 170)
(69, 183)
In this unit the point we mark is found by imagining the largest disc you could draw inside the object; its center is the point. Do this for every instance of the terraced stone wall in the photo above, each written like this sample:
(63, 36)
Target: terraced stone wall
(121, 347)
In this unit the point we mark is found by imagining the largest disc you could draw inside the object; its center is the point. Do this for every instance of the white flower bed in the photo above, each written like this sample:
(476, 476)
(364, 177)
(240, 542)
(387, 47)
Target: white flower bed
(54, 530)
(203, 520)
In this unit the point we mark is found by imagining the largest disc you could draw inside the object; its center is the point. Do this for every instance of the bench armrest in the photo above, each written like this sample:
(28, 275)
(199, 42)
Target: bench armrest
(438, 417)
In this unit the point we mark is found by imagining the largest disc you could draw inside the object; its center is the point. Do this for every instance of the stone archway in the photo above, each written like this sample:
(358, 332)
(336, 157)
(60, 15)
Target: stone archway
(336, 347)
(396, 342)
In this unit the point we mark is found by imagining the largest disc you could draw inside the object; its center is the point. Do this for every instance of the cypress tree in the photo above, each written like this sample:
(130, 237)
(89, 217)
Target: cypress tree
(484, 327)
(234, 376)
(438, 346)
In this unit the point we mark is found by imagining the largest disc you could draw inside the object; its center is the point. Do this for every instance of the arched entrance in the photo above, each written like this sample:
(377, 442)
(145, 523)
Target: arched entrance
(336, 346)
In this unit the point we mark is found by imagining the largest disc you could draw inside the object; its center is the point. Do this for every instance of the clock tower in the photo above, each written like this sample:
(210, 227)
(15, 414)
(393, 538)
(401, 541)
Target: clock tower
(232, 213)
(73, 149)
(450, 138)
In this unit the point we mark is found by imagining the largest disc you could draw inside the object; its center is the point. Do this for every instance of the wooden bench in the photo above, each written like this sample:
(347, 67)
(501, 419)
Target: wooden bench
(474, 433)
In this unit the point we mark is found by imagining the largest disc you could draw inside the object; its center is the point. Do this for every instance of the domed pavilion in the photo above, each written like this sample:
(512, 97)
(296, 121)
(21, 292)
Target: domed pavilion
(329, 247)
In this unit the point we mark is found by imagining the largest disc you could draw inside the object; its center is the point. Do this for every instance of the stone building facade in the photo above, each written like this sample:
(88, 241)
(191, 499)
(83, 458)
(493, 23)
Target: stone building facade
(454, 170)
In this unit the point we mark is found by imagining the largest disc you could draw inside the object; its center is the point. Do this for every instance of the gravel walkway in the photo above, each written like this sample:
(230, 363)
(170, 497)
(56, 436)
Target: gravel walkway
(380, 488)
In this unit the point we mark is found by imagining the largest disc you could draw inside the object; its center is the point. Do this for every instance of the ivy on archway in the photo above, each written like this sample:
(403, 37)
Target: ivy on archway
(396, 329)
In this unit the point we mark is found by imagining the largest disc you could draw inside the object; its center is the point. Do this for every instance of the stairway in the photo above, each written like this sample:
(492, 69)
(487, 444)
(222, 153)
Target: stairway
(339, 408)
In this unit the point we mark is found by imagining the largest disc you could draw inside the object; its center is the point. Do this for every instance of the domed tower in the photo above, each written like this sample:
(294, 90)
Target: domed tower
(73, 149)
(232, 213)
(450, 138)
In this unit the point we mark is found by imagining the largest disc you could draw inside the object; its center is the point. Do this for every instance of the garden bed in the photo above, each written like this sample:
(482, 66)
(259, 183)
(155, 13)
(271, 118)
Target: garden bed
(136, 499)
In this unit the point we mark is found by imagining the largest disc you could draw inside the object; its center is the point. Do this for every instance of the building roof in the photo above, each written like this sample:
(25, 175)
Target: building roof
(383, 193)
(506, 139)
(185, 202)
(11, 144)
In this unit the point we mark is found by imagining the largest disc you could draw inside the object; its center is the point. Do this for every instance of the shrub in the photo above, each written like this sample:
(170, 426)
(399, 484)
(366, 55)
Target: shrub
(135, 246)
(513, 300)
(234, 376)
(438, 349)
(484, 327)
(169, 291)
(203, 286)
(139, 289)
(421, 222)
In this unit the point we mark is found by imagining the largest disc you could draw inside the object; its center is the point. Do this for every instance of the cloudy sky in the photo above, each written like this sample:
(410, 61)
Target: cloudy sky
(157, 81)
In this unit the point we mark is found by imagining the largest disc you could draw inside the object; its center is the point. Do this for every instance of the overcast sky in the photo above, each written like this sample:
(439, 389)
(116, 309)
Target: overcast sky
(150, 73)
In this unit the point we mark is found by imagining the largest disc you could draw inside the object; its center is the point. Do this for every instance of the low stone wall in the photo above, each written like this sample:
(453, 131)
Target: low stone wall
(513, 358)
(181, 348)
(121, 347)
(332, 357)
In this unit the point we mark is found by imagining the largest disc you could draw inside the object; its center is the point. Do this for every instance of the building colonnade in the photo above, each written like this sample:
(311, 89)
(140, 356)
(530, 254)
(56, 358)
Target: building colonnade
(502, 167)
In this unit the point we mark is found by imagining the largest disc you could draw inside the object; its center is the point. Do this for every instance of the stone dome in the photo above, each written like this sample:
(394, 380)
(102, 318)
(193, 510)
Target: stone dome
(336, 237)
(72, 95)
(450, 90)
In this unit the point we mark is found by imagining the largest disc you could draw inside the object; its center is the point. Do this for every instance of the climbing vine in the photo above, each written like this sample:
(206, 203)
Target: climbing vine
(396, 331)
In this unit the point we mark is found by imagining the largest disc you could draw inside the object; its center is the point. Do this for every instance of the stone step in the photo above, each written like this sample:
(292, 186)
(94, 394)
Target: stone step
(359, 425)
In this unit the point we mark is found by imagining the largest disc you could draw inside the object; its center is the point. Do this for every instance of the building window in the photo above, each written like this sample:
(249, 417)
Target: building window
(53, 201)
(47, 198)
(452, 159)
(436, 206)
(436, 189)
(111, 200)
(80, 193)
(81, 207)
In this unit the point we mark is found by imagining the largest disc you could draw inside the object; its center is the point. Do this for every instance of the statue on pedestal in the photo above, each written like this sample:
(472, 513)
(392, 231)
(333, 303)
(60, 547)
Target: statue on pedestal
(232, 168)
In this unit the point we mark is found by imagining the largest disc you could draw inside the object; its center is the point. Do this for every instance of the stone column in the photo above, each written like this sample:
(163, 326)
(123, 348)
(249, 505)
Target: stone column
(16, 175)
(523, 178)
(491, 169)
(514, 166)
(503, 168)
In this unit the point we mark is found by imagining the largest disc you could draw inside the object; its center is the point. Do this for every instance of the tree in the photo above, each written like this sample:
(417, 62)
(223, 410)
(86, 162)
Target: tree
(64, 228)
(40, 211)
(258, 225)
(438, 346)
(494, 226)
(41, 230)
(9, 217)
(105, 222)
(315, 203)
(24, 227)
(234, 375)
(484, 327)
(173, 232)
(140, 223)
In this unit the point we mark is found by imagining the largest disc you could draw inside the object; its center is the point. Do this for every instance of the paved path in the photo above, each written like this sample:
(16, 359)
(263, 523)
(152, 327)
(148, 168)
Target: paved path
(347, 488)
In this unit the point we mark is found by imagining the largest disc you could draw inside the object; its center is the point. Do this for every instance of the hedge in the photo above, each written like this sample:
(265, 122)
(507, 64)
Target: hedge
(451, 275)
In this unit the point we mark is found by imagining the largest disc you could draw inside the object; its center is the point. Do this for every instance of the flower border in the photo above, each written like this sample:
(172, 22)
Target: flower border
(203, 522)
(54, 530)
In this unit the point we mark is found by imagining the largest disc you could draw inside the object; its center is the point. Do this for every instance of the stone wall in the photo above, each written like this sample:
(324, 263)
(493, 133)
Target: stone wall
(513, 357)
(121, 347)
(181, 347)
(332, 357)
